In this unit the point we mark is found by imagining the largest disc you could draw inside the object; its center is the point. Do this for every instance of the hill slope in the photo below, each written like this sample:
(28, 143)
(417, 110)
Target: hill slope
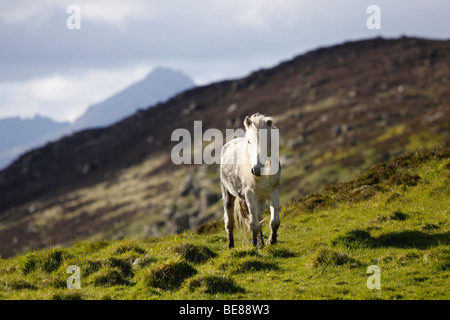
(339, 109)
(394, 216)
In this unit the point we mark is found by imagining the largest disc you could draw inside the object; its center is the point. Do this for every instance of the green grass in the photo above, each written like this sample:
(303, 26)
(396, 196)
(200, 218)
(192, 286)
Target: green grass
(394, 216)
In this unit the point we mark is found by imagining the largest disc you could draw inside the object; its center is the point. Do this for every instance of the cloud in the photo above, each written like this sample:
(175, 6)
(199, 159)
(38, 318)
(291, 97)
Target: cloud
(34, 12)
(19, 12)
(64, 98)
(48, 69)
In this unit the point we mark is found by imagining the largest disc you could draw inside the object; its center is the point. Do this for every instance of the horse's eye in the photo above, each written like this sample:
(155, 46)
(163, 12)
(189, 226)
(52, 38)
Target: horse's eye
(248, 141)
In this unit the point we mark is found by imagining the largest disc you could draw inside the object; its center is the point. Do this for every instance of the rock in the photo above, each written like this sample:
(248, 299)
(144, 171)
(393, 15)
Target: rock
(194, 214)
(293, 143)
(341, 129)
(33, 208)
(336, 130)
(153, 230)
(286, 161)
(181, 222)
(189, 109)
(232, 107)
(207, 198)
(309, 132)
(187, 186)
(119, 235)
(340, 141)
(294, 95)
(382, 123)
(359, 109)
(204, 219)
(85, 169)
(324, 118)
(346, 128)
(31, 228)
(434, 117)
(168, 212)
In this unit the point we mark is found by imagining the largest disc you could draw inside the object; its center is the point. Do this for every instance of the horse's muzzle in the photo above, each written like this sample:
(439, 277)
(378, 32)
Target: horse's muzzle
(256, 171)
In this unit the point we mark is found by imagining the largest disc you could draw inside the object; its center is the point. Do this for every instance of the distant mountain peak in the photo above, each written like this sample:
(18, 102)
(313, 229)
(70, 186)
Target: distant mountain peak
(161, 69)
(159, 85)
(19, 134)
(161, 73)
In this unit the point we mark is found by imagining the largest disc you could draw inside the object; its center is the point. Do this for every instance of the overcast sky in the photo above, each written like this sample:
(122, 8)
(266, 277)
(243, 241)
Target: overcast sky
(48, 69)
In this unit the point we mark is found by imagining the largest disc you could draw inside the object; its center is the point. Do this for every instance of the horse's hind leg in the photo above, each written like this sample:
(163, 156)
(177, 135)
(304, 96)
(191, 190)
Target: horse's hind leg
(274, 216)
(228, 206)
(260, 206)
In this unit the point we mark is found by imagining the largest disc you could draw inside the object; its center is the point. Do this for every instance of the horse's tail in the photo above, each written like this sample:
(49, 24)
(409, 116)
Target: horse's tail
(241, 214)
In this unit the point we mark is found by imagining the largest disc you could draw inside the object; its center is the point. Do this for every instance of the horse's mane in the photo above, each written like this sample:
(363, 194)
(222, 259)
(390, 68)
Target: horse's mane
(262, 121)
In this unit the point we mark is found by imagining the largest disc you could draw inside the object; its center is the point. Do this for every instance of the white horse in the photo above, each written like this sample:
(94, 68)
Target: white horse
(247, 182)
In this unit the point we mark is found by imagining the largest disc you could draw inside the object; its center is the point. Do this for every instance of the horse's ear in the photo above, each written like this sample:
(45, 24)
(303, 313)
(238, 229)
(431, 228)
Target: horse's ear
(247, 122)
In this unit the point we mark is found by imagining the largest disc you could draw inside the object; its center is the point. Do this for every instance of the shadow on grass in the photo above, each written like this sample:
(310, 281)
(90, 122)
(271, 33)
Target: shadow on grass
(402, 239)
(411, 239)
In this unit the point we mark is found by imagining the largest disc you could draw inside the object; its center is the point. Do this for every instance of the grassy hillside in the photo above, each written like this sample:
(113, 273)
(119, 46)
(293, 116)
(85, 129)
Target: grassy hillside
(339, 109)
(394, 216)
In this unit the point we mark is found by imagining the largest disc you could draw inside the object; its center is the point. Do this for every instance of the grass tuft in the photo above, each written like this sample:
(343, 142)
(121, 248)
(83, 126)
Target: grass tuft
(127, 247)
(169, 275)
(125, 267)
(214, 284)
(71, 295)
(52, 260)
(110, 277)
(398, 215)
(18, 284)
(333, 258)
(28, 263)
(353, 239)
(194, 253)
(47, 261)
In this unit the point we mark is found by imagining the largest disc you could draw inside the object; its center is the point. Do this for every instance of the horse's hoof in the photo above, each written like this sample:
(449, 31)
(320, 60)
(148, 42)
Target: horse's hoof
(271, 241)
(260, 245)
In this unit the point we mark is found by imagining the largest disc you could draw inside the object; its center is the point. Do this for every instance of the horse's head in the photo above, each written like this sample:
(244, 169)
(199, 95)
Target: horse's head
(258, 139)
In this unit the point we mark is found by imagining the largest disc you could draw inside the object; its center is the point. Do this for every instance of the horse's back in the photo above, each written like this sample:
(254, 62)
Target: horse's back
(229, 166)
(232, 145)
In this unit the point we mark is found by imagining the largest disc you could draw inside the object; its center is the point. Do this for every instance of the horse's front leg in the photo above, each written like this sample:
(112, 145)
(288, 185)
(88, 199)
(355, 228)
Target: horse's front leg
(255, 226)
(228, 206)
(274, 216)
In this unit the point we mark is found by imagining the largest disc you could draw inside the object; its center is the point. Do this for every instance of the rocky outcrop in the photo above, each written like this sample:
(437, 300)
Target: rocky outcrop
(190, 208)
